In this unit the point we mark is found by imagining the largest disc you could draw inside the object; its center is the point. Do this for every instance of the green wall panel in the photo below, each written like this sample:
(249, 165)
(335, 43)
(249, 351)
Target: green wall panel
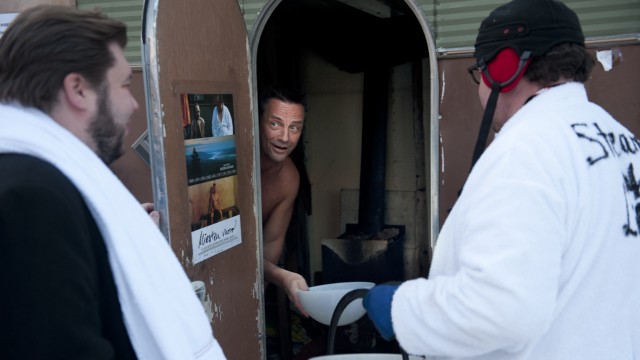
(129, 12)
(453, 23)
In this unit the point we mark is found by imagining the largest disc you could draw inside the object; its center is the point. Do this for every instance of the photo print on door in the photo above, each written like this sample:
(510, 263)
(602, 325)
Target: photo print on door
(210, 157)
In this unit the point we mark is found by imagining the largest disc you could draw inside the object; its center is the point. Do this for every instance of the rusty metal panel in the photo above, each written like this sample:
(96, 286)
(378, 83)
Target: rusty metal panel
(615, 90)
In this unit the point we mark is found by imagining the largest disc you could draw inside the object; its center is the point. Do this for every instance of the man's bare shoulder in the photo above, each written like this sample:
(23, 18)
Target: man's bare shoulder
(289, 174)
(279, 186)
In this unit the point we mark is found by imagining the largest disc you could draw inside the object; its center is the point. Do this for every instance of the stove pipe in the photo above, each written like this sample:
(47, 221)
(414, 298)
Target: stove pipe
(375, 109)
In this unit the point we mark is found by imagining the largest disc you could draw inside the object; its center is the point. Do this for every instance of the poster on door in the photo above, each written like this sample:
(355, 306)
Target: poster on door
(212, 178)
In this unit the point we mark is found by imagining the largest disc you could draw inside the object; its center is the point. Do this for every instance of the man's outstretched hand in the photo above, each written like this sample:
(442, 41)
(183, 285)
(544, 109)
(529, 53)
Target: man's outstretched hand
(377, 302)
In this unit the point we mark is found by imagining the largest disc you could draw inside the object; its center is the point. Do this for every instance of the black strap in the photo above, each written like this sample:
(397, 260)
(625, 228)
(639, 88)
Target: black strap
(490, 108)
(487, 118)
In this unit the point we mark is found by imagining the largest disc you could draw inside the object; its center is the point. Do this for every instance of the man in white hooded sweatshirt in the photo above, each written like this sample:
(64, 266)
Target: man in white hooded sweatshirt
(539, 257)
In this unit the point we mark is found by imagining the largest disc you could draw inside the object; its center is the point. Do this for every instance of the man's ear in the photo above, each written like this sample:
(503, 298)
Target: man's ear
(78, 92)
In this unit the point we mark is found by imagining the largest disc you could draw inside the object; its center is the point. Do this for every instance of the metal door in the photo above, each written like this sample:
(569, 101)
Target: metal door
(194, 51)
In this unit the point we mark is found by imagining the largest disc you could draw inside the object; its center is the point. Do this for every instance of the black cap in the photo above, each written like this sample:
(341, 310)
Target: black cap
(527, 25)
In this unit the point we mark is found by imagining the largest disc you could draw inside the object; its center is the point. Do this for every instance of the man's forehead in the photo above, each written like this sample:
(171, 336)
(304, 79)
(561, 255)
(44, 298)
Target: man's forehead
(277, 107)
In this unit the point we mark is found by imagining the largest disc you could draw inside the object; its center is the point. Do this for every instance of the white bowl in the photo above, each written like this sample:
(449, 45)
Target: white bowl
(320, 302)
(358, 357)
(363, 357)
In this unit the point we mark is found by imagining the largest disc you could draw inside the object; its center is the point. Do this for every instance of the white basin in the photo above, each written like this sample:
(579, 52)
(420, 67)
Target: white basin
(320, 302)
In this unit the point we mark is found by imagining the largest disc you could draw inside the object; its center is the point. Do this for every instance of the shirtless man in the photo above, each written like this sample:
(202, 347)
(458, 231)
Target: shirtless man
(215, 211)
(281, 122)
(197, 125)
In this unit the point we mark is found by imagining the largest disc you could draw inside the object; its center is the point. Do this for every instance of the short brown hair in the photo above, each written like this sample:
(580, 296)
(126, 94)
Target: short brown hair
(282, 93)
(45, 43)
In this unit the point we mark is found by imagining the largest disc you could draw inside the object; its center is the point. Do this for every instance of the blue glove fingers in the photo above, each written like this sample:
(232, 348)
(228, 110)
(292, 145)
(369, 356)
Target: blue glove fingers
(377, 302)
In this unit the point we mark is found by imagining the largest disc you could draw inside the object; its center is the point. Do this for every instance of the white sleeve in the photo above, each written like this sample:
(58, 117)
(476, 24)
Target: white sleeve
(501, 247)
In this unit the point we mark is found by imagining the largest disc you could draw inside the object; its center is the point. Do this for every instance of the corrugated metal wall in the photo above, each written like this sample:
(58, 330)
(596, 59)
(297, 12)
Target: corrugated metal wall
(128, 11)
(454, 23)
(250, 10)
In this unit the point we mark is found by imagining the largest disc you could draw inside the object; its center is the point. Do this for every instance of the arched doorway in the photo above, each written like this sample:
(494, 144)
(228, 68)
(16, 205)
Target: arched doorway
(371, 124)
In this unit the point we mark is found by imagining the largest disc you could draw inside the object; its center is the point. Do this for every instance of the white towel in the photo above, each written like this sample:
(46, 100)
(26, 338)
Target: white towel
(163, 316)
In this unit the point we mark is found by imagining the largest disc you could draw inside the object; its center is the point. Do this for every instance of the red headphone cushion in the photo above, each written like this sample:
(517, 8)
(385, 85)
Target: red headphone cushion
(502, 67)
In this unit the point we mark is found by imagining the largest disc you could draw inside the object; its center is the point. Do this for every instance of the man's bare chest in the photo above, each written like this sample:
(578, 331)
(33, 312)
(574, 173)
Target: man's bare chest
(272, 196)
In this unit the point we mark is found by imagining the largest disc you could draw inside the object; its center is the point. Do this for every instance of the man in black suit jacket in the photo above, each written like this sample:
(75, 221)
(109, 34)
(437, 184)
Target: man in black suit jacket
(84, 271)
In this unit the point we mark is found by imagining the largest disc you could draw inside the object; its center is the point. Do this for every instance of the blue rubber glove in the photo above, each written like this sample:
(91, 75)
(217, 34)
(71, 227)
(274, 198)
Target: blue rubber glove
(377, 302)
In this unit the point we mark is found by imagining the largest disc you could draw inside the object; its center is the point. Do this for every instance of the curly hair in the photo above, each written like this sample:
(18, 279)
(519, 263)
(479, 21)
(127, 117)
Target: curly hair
(564, 61)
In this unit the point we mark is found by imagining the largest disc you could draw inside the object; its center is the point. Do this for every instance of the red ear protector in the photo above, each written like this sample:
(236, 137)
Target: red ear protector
(502, 74)
(506, 69)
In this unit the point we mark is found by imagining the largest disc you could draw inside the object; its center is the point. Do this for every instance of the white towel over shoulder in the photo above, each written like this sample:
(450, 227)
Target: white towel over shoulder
(162, 314)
